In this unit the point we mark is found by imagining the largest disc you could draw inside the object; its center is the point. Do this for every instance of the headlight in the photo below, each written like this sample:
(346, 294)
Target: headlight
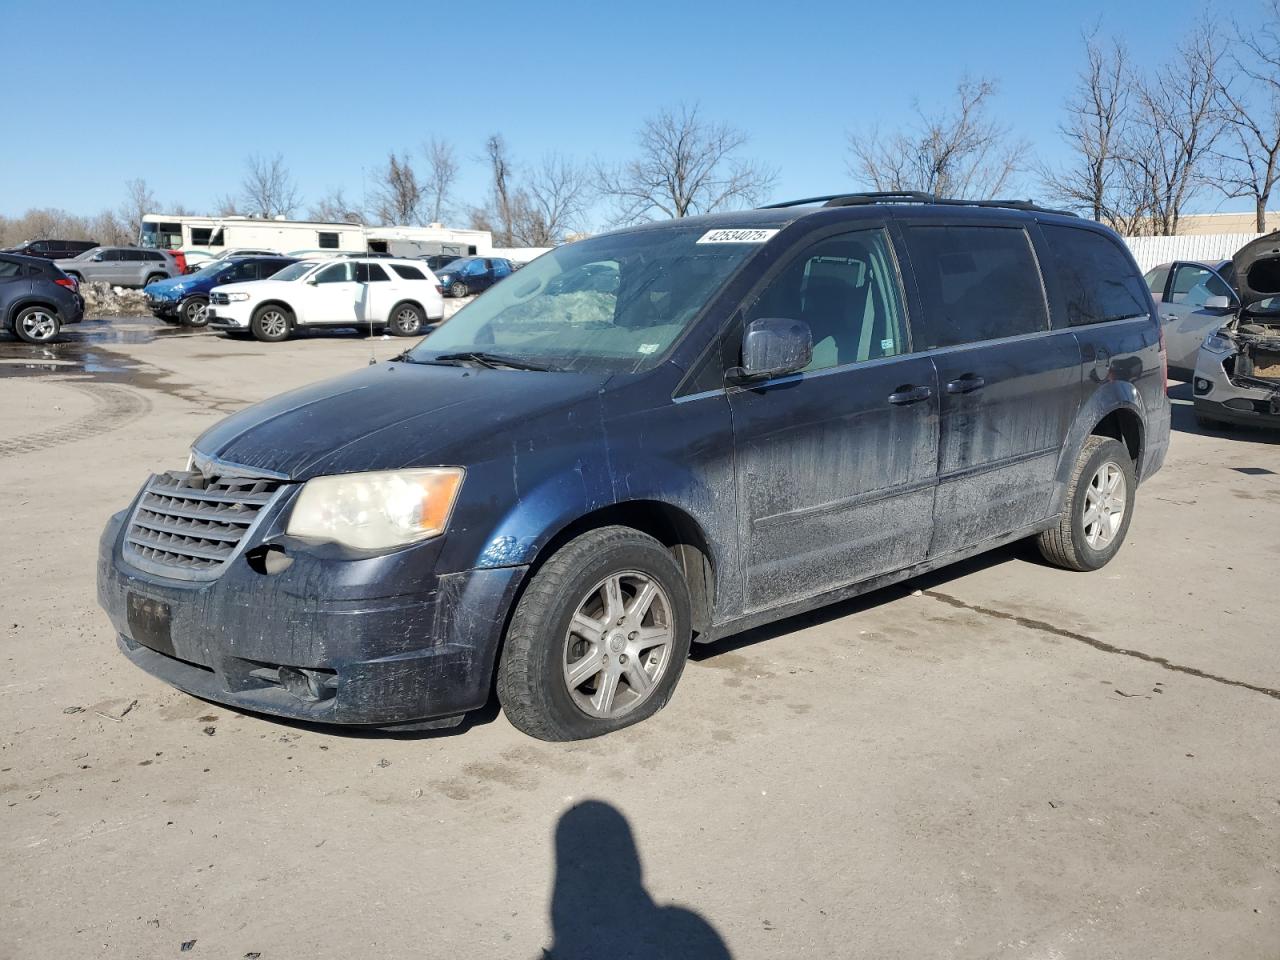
(373, 511)
(445, 277)
(234, 297)
(1217, 343)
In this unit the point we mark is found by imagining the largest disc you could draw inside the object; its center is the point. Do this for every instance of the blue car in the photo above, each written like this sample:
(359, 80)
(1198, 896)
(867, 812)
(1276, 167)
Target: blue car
(468, 275)
(185, 299)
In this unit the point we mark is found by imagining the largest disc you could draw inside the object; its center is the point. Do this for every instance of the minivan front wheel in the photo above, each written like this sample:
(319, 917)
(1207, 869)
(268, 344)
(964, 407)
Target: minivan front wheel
(1099, 507)
(598, 640)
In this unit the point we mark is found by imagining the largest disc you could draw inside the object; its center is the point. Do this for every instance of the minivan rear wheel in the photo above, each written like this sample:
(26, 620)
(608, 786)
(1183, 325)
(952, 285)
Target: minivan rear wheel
(1099, 507)
(599, 638)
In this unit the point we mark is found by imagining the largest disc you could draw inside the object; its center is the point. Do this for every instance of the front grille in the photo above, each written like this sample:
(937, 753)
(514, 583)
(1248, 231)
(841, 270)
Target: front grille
(219, 299)
(188, 525)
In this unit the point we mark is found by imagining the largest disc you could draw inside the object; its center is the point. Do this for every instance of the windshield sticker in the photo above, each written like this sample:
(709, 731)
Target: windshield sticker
(736, 236)
(647, 348)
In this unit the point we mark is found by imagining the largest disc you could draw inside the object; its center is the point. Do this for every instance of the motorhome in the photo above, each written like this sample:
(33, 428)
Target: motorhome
(217, 234)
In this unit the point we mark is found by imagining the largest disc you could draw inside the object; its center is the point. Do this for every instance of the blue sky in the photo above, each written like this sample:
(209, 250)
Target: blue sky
(334, 85)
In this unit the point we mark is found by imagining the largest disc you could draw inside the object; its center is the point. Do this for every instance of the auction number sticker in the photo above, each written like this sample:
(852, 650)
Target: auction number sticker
(737, 236)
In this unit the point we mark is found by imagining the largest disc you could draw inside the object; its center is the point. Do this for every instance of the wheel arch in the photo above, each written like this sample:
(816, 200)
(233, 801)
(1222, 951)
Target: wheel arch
(1115, 410)
(29, 301)
(276, 302)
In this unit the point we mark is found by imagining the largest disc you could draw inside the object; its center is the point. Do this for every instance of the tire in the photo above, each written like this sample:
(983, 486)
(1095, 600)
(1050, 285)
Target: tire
(406, 320)
(458, 289)
(192, 312)
(154, 278)
(1075, 545)
(271, 323)
(543, 643)
(37, 324)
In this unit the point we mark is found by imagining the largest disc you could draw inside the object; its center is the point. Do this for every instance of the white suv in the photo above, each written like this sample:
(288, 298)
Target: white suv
(400, 296)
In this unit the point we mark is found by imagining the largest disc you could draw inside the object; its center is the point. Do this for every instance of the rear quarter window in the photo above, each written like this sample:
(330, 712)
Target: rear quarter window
(408, 273)
(1098, 281)
(978, 283)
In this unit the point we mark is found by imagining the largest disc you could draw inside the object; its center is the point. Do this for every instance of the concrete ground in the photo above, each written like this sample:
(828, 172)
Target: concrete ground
(998, 760)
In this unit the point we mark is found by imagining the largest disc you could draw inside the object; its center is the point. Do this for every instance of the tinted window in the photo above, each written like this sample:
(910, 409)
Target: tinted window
(370, 273)
(409, 273)
(9, 269)
(978, 283)
(1193, 285)
(846, 289)
(1155, 279)
(202, 236)
(114, 255)
(337, 273)
(328, 241)
(1098, 282)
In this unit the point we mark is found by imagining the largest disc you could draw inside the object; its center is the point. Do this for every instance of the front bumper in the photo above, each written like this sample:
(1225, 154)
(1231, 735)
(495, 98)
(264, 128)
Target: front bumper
(229, 316)
(338, 640)
(162, 308)
(1218, 396)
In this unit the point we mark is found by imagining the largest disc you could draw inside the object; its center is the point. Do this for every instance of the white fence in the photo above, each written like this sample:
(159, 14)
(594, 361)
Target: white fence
(1149, 251)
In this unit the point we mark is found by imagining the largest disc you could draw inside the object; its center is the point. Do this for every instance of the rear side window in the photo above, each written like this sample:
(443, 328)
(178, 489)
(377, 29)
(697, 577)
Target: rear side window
(978, 283)
(1098, 282)
(9, 268)
(408, 273)
(1155, 279)
(370, 273)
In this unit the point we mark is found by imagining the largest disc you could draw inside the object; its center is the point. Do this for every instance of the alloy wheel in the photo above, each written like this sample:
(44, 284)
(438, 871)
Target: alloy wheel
(39, 325)
(618, 646)
(1104, 505)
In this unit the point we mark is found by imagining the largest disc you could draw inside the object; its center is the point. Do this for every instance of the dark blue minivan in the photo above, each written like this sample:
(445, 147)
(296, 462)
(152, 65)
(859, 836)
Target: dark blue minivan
(567, 484)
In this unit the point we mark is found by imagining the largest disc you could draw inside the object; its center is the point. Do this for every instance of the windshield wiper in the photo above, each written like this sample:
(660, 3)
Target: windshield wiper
(494, 360)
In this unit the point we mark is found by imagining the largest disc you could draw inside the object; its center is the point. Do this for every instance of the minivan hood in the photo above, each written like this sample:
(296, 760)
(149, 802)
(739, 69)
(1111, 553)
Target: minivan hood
(389, 416)
(1257, 269)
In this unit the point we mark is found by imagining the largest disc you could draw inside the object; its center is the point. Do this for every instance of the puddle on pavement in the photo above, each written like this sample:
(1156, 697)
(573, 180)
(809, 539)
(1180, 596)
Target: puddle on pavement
(82, 350)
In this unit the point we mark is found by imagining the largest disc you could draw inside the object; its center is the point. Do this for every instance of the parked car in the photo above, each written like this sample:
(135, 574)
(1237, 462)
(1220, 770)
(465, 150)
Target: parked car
(396, 295)
(122, 266)
(468, 275)
(199, 259)
(185, 299)
(53, 249)
(438, 261)
(36, 298)
(1237, 374)
(1193, 298)
(773, 410)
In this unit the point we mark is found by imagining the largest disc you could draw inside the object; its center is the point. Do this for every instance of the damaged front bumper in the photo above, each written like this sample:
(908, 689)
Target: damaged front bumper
(1220, 393)
(374, 640)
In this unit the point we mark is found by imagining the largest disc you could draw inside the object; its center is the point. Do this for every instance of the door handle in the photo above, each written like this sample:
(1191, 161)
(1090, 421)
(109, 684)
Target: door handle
(966, 384)
(1170, 317)
(909, 394)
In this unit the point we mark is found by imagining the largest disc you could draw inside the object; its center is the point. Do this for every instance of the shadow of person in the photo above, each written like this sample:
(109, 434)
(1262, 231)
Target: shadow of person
(600, 909)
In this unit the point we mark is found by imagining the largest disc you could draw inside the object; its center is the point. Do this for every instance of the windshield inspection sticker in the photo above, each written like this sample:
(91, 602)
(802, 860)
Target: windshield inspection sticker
(647, 348)
(736, 236)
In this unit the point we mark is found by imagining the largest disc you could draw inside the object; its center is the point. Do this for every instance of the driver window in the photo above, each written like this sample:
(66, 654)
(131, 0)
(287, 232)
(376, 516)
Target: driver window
(845, 288)
(335, 273)
(1193, 285)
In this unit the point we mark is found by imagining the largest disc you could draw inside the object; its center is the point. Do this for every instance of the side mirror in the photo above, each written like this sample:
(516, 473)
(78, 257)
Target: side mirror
(773, 347)
(312, 281)
(1218, 303)
(97, 259)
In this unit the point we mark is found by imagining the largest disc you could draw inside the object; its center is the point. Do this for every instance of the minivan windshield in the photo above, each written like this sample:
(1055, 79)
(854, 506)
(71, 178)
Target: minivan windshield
(294, 271)
(612, 303)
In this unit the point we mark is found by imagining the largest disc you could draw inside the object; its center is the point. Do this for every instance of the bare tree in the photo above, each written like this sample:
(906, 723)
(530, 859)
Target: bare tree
(1250, 151)
(442, 174)
(959, 152)
(550, 203)
(500, 209)
(267, 189)
(686, 165)
(334, 207)
(138, 200)
(1095, 181)
(228, 206)
(397, 193)
(1177, 122)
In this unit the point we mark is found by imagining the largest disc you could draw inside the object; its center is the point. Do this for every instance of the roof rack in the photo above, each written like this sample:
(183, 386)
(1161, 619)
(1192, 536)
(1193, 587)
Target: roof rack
(913, 196)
